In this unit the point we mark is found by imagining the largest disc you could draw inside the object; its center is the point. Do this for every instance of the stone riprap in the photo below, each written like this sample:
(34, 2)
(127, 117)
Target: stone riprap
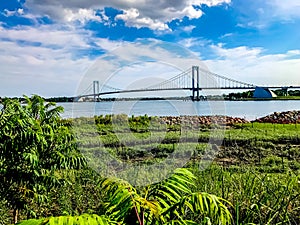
(281, 117)
(202, 120)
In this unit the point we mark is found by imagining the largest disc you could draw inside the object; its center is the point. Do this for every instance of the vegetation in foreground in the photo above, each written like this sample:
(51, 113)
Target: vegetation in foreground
(45, 179)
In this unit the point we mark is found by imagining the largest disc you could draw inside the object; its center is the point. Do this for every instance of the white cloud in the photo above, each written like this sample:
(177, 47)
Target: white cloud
(49, 68)
(106, 44)
(81, 15)
(293, 52)
(191, 12)
(188, 29)
(261, 14)
(287, 9)
(194, 42)
(151, 13)
(20, 11)
(9, 13)
(54, 71)
(208, 2)
(64, 37)
(38, 70)
(226, 35)
(188, 42)
(131, 16)
(252, 66)
(244, 52)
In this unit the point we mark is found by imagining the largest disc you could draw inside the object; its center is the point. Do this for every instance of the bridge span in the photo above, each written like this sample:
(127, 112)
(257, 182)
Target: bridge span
(194, 79)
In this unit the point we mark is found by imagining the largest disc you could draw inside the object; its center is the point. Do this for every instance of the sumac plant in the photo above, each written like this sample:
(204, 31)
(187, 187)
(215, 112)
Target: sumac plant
(170, 201)
(35, 144)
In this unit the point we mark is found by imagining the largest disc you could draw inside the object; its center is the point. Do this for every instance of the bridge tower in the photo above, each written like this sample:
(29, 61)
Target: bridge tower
(96, 90)
(285, 91)
(195, 88)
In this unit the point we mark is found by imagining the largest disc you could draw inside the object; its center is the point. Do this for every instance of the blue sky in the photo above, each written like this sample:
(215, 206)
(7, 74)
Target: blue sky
(47, 47)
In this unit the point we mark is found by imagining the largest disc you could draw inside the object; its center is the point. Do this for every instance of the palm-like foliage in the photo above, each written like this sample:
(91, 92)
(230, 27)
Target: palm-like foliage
(34, 143)
(168, 202)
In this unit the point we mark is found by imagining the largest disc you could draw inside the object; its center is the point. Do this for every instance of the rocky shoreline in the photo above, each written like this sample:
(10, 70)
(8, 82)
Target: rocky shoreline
(203, 120)
(289, 117)
(281, 117)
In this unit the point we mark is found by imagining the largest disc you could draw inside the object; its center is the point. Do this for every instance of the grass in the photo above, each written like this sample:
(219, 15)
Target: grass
(256, 167)
(260, 140)
(258, 197)
(288, 98)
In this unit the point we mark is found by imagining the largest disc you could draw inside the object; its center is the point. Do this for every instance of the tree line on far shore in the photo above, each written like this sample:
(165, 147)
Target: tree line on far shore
(230, 96)
(249, 94)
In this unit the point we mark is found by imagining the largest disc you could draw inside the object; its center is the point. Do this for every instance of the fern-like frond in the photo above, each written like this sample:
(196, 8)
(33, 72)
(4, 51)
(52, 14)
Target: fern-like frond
(119, 197)
(207, 207)
(173, 188)
(70, 220)
(32, 222)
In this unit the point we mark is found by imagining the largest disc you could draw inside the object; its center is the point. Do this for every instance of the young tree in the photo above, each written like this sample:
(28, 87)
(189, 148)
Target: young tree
(170, 201)
(35, 144)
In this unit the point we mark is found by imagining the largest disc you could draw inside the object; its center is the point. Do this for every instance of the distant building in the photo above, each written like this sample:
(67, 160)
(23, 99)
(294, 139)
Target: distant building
(261, 92)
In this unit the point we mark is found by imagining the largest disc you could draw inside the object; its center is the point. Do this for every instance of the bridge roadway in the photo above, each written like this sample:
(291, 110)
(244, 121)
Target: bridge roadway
(187, 89)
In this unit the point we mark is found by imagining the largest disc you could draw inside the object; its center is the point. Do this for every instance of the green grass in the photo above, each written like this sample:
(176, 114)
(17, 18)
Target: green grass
(257, 196)
(288, 98)
(256, 168)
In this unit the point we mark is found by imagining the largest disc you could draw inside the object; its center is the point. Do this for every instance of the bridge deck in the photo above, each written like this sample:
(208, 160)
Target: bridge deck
(184, 89)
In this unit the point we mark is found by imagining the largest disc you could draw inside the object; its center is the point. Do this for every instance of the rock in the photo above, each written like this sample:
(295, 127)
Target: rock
(281, 118)
(203, 120)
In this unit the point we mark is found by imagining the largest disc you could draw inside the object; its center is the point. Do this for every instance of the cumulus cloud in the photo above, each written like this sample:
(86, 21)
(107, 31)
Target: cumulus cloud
(81, 15)
(47, 35)
(45, 71)
(43, 60)
(153, 14)
(131, 16)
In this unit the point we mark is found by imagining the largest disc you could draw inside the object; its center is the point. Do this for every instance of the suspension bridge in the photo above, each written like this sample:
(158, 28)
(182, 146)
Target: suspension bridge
(194, 79)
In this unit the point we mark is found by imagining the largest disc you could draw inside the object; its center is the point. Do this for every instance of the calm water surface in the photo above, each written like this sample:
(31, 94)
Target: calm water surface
(244, 109)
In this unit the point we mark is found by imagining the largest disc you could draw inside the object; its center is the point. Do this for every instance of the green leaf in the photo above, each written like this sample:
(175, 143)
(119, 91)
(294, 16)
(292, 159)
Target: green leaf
(70, 220)
(33, 222)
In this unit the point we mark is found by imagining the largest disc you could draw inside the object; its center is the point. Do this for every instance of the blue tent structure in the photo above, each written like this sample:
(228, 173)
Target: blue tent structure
(261, 92)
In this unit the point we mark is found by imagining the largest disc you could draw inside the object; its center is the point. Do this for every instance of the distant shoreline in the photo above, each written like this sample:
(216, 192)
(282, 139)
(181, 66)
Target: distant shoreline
(183, 99)
(209, 98)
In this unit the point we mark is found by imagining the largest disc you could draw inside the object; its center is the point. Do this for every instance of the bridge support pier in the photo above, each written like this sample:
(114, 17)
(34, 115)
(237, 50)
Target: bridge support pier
(195, 88)
(285, 91)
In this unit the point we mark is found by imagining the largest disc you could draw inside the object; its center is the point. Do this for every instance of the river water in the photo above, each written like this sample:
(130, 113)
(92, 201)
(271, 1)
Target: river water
(244, 109)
